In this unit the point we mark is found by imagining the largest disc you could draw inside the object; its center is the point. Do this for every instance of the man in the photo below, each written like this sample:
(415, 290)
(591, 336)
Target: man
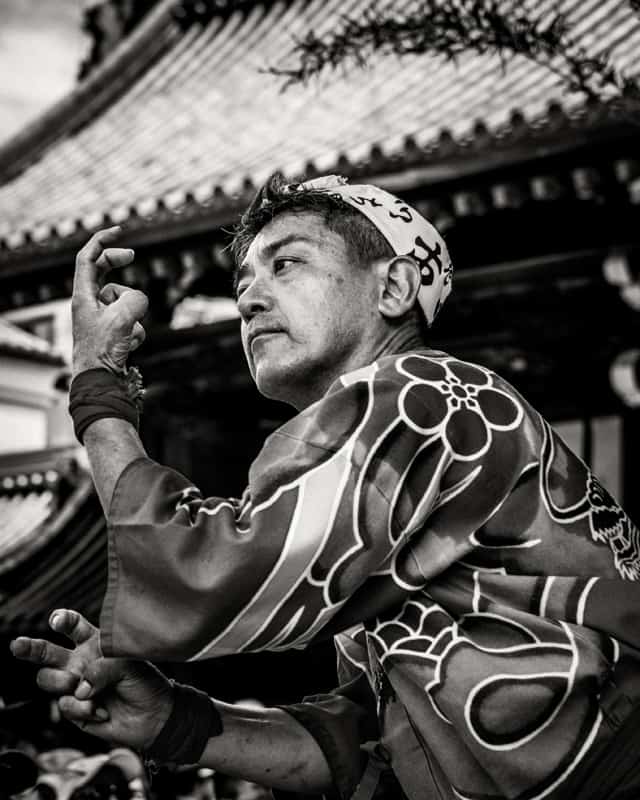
(482, 586)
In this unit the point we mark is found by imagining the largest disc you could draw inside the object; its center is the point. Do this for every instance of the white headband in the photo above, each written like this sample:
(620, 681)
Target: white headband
(407, 231)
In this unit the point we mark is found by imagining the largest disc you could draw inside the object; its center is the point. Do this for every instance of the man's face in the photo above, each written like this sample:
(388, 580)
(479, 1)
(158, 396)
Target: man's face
(307, 311)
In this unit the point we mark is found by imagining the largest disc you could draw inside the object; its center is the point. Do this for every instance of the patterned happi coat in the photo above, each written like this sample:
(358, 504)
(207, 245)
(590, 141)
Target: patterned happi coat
(473, 570)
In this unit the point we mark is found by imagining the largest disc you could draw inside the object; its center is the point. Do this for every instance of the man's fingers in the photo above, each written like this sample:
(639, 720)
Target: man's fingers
(134, 307)
(76, 710)
(40, 651)
(89, 266)
(92, 250)
(85, 713)
(101, 674)
(110, 292)
(132, 304)
(137, 337)
(57, 681)
(72, 624)
(114, 257)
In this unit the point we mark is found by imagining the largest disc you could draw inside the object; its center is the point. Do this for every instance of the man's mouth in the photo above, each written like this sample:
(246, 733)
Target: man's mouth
(263, 336)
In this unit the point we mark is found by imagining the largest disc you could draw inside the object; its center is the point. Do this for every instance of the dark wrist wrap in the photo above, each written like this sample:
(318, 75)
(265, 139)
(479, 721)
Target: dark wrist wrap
(99, 394)
(193, 721)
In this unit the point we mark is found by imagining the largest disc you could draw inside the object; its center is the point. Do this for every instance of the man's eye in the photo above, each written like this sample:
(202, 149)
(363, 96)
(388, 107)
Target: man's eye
(239, 291)
(282, 263)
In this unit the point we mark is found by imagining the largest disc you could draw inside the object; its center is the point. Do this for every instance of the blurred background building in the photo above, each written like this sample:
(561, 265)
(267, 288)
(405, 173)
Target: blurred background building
(173, 124)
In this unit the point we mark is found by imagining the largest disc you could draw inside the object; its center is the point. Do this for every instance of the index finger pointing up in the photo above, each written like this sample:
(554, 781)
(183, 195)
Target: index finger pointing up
(91, 262)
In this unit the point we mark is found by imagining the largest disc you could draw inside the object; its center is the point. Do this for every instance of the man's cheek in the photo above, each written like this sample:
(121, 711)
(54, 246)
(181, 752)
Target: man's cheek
(248, 358)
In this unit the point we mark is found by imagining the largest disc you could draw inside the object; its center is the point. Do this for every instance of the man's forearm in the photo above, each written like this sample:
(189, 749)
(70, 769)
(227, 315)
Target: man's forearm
(269, 747)
(111, 444)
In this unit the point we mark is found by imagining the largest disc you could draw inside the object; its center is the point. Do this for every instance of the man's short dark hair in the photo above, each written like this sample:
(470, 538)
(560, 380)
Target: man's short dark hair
(363, 241)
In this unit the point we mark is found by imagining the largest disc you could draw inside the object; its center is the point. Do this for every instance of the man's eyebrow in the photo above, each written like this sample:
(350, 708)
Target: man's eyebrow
(269, 251)
(290, 238)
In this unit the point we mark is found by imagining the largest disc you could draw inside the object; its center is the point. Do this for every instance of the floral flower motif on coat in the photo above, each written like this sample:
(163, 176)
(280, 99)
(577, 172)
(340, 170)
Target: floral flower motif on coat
(465, 405)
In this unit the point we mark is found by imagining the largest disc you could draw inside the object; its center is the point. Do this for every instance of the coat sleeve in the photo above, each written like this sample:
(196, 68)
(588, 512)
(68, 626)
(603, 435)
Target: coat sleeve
(333, 495)
(344, 724)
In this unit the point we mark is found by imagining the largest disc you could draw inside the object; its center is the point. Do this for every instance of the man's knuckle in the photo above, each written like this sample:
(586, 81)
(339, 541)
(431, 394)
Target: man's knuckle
(142, 298)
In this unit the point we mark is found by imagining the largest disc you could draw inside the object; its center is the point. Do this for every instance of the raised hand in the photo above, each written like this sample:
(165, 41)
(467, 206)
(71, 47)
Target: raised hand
(106, 320)
(122, 701)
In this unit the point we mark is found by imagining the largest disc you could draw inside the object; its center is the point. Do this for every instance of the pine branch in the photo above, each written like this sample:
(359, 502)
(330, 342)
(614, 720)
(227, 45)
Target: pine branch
(448, 28)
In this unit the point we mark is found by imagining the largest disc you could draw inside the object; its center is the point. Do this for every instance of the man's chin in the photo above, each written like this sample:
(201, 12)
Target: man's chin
(275, 384)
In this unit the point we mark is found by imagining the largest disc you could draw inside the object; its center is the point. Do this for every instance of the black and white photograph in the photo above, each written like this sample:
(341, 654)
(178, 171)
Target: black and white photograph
(319, 399)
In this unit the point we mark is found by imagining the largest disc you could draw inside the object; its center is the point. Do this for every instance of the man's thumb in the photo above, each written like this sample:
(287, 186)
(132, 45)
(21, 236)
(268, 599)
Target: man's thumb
(99, 675)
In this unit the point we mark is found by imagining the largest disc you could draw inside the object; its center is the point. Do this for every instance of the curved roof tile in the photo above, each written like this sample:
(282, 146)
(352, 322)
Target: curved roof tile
(62, 562)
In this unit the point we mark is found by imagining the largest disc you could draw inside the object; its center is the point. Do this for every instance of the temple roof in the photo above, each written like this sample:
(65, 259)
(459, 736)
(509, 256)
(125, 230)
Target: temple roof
(52, 540)
(183, 117)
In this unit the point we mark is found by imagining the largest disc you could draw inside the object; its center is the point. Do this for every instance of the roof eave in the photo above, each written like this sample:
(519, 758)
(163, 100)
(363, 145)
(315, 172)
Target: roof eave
(445, 162)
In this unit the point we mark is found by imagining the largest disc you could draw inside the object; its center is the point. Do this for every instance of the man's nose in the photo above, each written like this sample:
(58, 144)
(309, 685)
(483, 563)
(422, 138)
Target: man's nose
(255, 299)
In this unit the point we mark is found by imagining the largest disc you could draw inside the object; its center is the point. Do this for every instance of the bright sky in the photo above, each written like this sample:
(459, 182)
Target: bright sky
(41, 47)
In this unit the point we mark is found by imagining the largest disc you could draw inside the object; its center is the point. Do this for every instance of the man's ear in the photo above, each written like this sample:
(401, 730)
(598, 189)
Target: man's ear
(399, 282)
